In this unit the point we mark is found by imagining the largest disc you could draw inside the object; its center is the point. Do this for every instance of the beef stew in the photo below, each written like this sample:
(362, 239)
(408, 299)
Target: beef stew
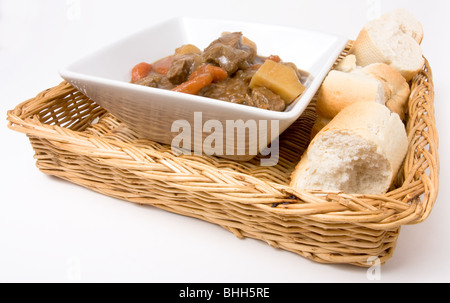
(230, 70)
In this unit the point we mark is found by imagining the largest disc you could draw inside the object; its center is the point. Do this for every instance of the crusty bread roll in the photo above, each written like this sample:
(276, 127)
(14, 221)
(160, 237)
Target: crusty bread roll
(349, 83)
(347, 64)
(396, 89)
(393, 39)
(359, 152)
(340, 89)
(401, 19)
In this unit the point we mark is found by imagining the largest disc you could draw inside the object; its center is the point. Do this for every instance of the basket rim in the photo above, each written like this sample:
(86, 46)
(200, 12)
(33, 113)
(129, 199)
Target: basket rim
(411, 203)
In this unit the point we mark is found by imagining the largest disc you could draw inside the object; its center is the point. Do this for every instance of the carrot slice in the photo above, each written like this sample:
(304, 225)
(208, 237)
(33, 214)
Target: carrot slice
(218, 74)
(162, 66)
(275, 58)
(140, 71)
(194, 85)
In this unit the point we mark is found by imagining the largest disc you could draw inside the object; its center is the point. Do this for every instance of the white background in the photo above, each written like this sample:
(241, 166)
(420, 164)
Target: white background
(54, 231)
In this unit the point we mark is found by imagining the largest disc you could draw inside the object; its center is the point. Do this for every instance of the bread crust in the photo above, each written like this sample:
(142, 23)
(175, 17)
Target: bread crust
(387, 39)
(372, 122)
(365, 50)
(341, 89)
(376, 82)
(320, 123)
(396, 88)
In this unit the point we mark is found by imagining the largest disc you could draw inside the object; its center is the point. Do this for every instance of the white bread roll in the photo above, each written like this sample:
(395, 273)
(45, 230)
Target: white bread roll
(396, 89)
(392, 39)
(359, 152)
(347, 64)
(401, 19)
(340, 89)
(377, 82)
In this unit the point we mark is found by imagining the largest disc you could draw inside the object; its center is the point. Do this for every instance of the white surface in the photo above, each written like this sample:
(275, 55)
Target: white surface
(54, 231)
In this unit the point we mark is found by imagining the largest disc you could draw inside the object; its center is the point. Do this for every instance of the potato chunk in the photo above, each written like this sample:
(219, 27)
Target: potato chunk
(187, 49)
(280, 79)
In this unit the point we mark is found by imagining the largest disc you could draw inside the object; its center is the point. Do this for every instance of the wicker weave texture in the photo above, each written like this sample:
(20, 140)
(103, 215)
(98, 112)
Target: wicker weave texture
(76, 140)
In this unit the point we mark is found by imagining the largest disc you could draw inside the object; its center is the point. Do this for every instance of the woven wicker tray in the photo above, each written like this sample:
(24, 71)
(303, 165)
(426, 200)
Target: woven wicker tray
(77, 140)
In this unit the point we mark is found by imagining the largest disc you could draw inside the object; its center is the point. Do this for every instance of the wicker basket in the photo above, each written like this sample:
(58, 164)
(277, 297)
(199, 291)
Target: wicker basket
(77, 140)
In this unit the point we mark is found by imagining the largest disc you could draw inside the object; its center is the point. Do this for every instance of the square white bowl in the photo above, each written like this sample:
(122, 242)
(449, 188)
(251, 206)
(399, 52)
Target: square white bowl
(104, 76)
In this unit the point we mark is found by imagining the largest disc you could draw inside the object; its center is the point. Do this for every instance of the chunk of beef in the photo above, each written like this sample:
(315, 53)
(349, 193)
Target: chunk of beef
(155, 80)
(182, 67)
(264, 98)
(236, 40)
(234, 89)
(150, 80)
(225, 56)
(230, 90)
(229, 53)
(231, 39)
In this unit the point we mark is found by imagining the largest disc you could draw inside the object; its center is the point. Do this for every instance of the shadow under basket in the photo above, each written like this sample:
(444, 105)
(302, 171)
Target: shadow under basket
(77, 140)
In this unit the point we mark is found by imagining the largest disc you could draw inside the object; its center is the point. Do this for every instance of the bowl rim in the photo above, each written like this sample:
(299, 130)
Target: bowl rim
(294, 111)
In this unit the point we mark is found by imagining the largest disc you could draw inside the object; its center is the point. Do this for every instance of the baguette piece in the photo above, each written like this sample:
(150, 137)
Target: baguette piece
(392, 39)
(396, 89)
(349, 84)
(359, 152)
(402, 19)
(347, 64)
(340, 89)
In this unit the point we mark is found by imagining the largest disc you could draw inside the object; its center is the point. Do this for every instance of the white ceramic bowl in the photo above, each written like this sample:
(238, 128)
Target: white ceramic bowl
(104, 77)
